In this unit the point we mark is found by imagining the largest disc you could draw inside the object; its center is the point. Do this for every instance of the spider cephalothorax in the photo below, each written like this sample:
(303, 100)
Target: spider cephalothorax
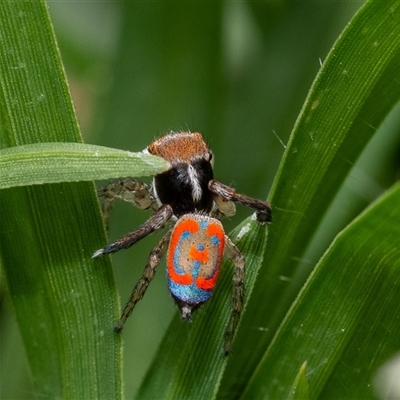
(188, 194)
(185, 186)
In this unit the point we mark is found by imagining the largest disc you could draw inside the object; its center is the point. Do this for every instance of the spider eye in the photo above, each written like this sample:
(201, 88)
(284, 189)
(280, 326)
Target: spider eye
(209, 157)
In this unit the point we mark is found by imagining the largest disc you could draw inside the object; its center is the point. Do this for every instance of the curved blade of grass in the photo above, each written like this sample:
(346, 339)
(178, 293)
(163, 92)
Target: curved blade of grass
(63, 302)
(41, 163)
(354, 91)
(345, 322)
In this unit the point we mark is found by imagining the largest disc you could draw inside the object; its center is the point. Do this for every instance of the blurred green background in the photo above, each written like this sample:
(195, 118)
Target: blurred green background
(236, 71)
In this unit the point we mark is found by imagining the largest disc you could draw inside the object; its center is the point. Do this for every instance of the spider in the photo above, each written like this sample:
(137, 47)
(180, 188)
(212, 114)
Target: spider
(189, 195)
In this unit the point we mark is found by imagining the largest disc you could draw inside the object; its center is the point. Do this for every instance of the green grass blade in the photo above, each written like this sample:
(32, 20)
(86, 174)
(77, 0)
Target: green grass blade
(300, 387)
(345, 320)
(70, 162)
(356, 88)
(64, 303)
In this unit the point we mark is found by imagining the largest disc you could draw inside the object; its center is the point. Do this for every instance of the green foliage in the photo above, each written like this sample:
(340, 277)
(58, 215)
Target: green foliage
(40, 163)
(322, 294)
(336, 122)
(62, 300)
(300, 386)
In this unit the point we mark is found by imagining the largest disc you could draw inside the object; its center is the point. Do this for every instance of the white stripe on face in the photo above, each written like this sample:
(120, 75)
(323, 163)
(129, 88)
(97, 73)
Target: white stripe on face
(194, 180)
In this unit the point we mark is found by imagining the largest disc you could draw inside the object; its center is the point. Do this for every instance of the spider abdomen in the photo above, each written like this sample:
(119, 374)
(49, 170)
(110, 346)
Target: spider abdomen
(193, 261)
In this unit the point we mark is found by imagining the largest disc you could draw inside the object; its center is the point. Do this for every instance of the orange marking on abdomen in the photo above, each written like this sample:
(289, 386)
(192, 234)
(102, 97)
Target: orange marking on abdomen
(198, 255)
(192, 227)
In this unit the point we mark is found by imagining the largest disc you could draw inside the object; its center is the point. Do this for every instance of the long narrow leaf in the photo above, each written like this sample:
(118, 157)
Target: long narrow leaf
(345, 321)
(68, 162)
(354, 91)
(63, 302)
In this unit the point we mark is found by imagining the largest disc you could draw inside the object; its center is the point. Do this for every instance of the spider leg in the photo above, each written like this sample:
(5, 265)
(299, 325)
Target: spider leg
(262, 208)
(130, 190)
(155, 222)
(140, 288)
(234, 254)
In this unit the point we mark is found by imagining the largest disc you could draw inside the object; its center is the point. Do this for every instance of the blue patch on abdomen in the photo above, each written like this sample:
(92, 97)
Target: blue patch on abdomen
(189, 293)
